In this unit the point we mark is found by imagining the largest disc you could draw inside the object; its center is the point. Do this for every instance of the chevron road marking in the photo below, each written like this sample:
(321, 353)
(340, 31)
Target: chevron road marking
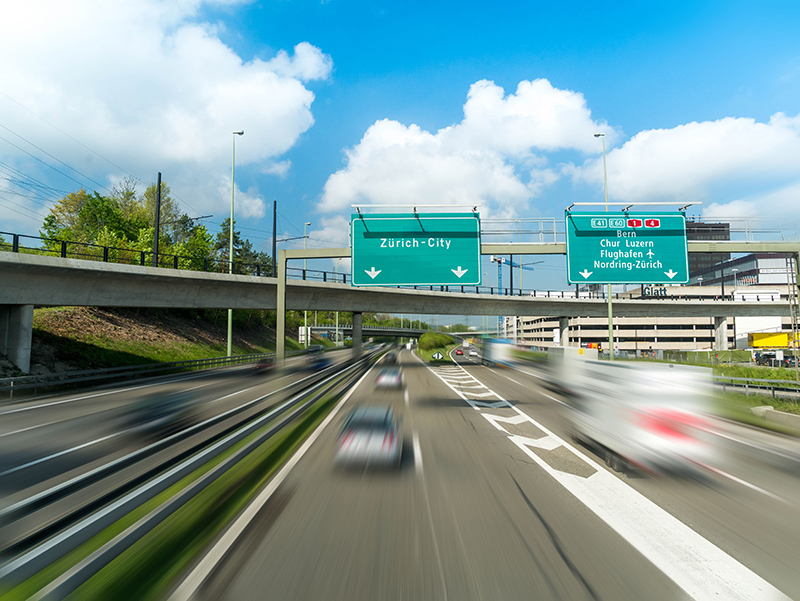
(695, 564)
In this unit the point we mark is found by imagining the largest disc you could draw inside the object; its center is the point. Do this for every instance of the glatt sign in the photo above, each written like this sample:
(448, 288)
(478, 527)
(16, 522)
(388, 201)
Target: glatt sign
(631, 248)
(417, 249)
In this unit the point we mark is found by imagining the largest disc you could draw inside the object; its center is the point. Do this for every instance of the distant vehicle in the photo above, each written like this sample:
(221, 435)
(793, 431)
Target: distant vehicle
(263, 366)
(371, 435)
(316, 360)
(389, 377)
(496, 351)
(473, 352)
(459, 351)
(390, 357)
(162, 413)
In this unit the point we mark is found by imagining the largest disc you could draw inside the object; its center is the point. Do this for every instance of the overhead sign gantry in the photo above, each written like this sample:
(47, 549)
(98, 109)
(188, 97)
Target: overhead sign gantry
(416, 249)
(627, 248)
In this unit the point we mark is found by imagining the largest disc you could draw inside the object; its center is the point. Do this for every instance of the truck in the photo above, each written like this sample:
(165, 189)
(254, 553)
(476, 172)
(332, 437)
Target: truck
(643, 416)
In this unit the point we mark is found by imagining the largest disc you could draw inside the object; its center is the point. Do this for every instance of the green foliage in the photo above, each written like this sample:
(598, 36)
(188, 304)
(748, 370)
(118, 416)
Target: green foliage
(244, 255)
(432, 340)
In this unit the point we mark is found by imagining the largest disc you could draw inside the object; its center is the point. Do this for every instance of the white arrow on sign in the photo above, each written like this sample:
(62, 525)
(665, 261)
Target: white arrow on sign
(586, 273)
(372, 273)
(437, 355)
(459, 272)
(670, 274)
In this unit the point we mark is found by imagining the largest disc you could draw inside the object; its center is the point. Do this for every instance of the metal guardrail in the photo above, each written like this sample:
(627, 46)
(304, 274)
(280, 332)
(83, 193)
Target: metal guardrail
(34, 383)
(787, 387)
(124, 498)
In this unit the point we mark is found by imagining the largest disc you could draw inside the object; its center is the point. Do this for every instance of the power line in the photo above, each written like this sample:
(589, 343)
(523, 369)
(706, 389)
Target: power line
(54, 158)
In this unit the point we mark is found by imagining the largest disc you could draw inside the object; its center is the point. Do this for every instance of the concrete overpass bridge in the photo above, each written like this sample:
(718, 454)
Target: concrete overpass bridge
(30, 280)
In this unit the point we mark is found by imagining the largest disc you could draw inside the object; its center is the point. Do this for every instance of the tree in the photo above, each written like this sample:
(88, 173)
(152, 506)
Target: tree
(244, 255)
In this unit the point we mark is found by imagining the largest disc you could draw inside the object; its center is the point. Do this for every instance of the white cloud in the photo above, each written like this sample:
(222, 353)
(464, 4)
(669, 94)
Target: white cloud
(146, 85)
(692, 161)
(489, 157)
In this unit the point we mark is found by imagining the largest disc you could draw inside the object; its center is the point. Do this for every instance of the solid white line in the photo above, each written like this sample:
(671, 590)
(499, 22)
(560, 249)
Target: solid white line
(513, 380)
(59, 454)
(58, 421)
(695, 564)
(196, 578)
(745, 483)
(417, 454)
(405, 396)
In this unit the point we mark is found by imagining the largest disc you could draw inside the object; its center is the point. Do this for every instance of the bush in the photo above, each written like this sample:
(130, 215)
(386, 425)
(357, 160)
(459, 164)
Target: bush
(432, 340)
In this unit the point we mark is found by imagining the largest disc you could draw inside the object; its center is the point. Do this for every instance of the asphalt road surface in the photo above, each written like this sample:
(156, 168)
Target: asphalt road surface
(493, 501)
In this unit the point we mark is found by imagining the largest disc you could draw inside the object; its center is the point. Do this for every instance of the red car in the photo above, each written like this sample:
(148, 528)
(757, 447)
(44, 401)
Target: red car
(459, 351)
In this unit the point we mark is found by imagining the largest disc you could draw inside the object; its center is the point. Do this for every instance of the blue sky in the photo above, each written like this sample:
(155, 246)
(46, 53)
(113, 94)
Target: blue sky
(348, 102)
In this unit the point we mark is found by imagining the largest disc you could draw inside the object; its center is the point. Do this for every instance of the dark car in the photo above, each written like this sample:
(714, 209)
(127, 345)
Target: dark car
(162, 413)
(263, 366)
(316, 360)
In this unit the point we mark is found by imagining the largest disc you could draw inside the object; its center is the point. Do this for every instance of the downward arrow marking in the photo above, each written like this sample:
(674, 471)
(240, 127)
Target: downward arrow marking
(586, 273)
(670, 274)
(459, 272)
(372, 273)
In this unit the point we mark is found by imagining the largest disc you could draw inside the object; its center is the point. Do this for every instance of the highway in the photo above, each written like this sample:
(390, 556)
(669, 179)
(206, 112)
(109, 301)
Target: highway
(492, 501)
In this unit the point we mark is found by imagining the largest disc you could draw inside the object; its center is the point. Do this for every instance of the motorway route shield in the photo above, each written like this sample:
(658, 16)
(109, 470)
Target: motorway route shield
(626, 248)
(417, 249)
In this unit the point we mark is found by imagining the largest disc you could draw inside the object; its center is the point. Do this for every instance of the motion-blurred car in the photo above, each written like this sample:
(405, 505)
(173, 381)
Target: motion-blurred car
(371, 435)
(316, 361)
(162, 413)
(459, 351)
(389, 377)
(263, 366)
(390, 357)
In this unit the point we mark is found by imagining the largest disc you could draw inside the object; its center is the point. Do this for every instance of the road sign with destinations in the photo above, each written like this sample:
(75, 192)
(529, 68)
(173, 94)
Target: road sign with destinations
(626, 248)
(417, 249)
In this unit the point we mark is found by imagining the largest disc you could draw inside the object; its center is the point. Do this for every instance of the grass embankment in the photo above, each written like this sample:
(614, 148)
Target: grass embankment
(431, 342)
(150, 566)
(86, 338)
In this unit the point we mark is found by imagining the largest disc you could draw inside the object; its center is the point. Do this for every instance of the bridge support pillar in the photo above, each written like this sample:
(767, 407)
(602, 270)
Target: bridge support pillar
(16, 332)
(356, 334)
(563, 328)
(280, 314)
(720, 333)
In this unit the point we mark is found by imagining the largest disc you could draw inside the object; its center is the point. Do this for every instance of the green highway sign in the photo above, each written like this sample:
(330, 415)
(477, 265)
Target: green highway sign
(417, 249)
(626, 248)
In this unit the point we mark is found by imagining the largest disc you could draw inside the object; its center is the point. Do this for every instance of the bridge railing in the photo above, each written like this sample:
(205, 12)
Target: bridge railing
(27, 244)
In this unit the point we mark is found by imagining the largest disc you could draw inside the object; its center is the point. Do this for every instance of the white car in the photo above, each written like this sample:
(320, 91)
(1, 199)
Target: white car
(473, 352)
(389, 377)
(371, 435)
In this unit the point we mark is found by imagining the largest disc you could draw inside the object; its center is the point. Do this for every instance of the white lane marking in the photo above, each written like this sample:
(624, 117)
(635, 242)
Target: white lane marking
(417, 454)
(513, 380)
(59, 454)
(115, 391)
(694, 563)
(202, 570)
(405, 396)
(745, 483)
(104, 438)
(58, 421)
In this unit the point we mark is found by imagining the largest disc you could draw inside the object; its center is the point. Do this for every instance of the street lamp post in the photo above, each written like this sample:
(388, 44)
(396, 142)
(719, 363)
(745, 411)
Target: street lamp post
(608, 286)
(230, 247)
(734, 270)
(305, 268)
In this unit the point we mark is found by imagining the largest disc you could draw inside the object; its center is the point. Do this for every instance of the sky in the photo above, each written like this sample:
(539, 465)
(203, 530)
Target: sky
(404, 103)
